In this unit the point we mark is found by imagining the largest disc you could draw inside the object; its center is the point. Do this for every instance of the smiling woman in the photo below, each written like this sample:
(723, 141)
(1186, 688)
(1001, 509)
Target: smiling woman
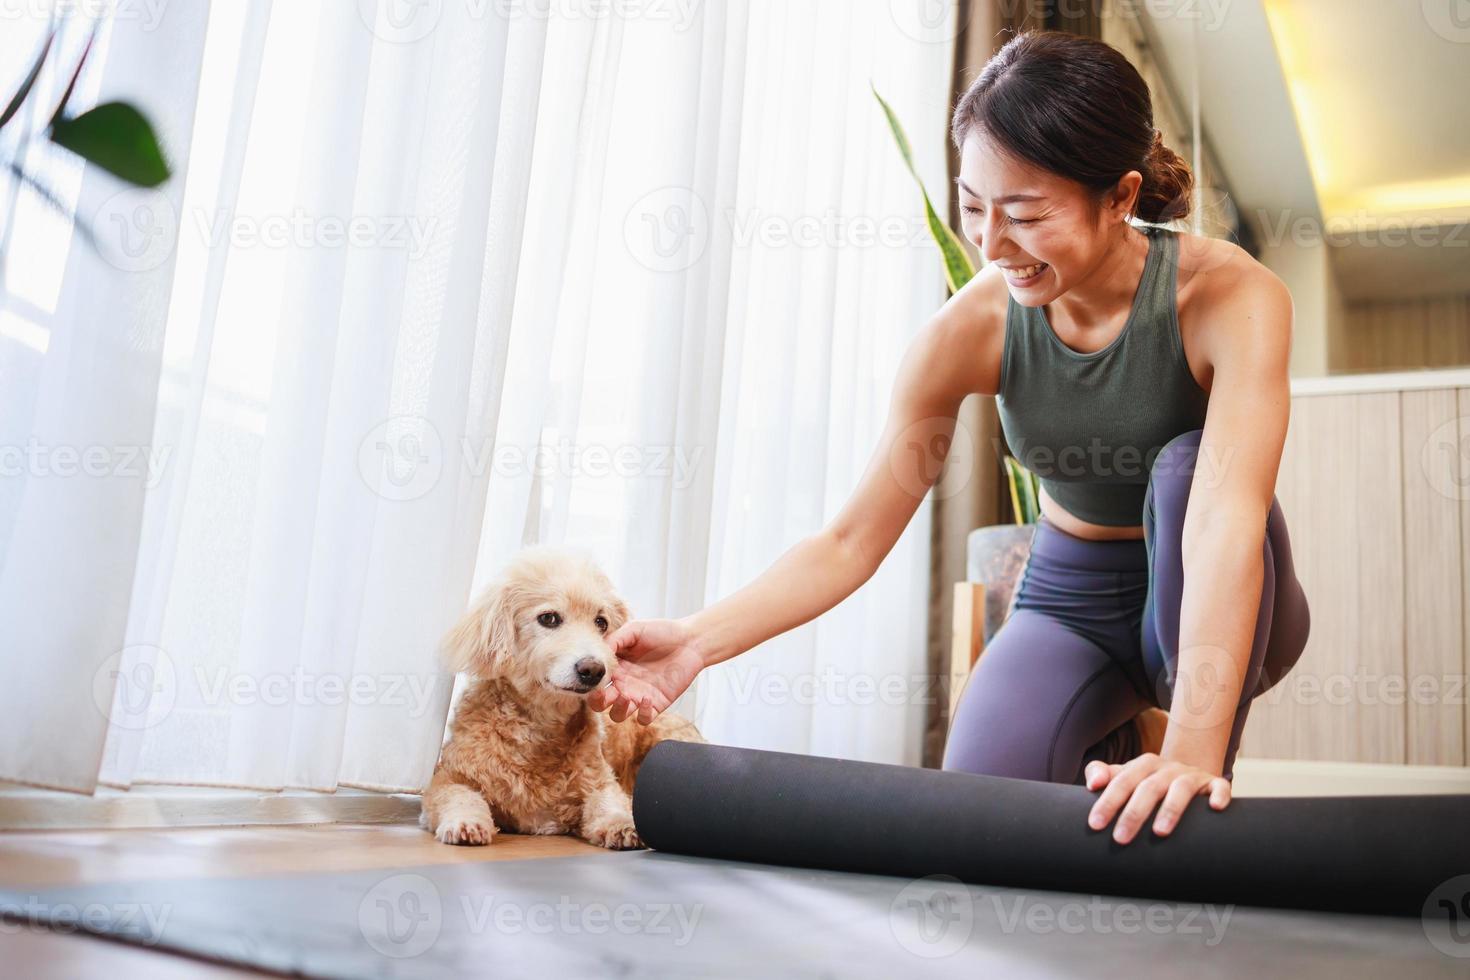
(1119, 384)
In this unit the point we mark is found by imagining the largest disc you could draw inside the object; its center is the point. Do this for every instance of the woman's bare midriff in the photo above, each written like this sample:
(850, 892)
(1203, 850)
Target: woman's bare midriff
(1067, 521)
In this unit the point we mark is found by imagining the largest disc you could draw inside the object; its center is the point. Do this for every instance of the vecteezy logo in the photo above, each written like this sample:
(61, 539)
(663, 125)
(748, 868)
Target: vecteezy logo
(136, 230)
(667, 230)
(401, 916)
(401, 458)
(1445, 458)
(921, 457)
(1450, 19)
(136, 687)
(1446, 917)
(926, 21)
(932, 917)
(400, 21)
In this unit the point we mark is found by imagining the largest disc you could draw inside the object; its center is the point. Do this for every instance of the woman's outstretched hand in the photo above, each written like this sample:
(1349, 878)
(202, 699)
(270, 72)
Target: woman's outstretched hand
(1141, 783)
(656, 662)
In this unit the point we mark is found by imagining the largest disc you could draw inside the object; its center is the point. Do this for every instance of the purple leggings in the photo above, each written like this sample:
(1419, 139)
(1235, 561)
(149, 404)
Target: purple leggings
(1093, 636)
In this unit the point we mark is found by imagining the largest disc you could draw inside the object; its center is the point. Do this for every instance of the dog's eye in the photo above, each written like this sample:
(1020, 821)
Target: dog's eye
(550, 620)
(601, 622)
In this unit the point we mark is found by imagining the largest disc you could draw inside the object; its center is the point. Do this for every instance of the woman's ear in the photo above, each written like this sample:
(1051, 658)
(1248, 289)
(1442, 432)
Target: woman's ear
(483, 638)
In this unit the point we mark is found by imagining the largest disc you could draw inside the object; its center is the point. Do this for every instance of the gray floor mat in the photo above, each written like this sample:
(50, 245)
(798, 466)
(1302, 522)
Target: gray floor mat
(648, 914)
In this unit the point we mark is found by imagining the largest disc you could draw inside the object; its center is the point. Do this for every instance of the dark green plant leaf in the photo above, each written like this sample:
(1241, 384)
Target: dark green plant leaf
(25, 86)
(958, 269)
(116, 137)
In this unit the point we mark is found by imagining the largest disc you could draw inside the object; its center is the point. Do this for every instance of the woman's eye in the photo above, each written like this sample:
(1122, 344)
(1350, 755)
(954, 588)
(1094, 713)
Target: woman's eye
(967, 209)
(550, 620)
(601, 622)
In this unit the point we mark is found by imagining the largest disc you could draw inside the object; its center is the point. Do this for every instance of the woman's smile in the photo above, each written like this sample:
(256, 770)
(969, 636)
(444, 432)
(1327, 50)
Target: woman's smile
(1022, 276)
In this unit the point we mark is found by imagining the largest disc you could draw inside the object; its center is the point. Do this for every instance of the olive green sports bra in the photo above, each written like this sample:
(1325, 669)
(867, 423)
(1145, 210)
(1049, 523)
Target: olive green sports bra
(1090, 425)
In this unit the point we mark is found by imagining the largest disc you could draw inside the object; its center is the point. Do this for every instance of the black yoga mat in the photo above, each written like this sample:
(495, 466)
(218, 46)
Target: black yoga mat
(1391, 855)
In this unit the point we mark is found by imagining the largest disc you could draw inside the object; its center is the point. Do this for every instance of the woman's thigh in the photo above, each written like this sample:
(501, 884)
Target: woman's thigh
(1282, 617)
(1039, 697)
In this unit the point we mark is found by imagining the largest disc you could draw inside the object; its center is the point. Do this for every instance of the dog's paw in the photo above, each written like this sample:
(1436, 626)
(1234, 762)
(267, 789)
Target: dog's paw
(465, 830)
(617, 834)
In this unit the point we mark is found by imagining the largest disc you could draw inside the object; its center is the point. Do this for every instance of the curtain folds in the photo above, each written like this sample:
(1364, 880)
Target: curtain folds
(431, 283)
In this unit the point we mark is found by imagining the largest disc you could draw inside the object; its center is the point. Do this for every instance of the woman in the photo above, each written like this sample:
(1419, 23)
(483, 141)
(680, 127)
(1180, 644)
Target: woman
(1135, 370)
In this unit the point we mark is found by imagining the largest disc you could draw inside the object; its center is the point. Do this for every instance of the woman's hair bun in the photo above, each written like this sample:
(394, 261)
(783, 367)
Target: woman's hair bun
(1167, 184)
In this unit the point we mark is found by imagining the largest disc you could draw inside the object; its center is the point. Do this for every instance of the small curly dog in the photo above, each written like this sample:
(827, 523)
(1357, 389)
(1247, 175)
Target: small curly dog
(526, 754)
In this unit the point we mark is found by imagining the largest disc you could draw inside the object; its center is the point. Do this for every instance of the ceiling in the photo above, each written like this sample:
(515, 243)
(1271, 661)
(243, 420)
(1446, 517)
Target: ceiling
(1343, 120)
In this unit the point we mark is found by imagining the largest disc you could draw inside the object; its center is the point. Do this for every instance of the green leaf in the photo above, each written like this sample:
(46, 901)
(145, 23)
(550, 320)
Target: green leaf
(116, 137)
(958, 269)
(25, 86)
(1023, 491)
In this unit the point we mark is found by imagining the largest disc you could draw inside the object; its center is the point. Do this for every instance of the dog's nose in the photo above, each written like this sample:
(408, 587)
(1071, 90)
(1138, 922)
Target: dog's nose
(590, 670)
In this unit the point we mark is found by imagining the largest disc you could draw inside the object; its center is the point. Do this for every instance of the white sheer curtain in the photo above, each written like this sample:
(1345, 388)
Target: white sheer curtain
(441, 280)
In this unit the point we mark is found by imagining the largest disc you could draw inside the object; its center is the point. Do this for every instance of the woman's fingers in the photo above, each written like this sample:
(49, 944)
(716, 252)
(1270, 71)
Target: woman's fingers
(1098, 774)
(599, 698)
(621, 710)
(1220, 792)
(612, 699)
(624, 639)
(1181, 791)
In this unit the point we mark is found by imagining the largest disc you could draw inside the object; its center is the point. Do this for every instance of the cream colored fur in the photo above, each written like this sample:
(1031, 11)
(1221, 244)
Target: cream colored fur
(525, 752)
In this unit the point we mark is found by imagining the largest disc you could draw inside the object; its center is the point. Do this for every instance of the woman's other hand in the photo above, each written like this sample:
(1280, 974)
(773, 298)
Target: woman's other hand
(657, 660)
(1141, 783)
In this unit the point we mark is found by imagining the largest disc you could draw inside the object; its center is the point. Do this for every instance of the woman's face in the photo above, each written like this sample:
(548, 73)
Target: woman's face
(1042, 229)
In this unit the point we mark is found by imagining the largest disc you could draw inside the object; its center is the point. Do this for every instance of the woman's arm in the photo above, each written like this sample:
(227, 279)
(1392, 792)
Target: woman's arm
(1249, 344)
(1225, 523)
(954, 354)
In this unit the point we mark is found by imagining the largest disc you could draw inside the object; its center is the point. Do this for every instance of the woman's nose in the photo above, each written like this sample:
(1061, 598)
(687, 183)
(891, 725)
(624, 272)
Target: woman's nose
(992, 239)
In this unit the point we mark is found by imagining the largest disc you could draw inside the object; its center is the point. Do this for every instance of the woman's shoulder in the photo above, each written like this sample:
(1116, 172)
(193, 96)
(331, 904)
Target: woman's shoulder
(961, 345)
(1227, 301)
(1215, 271)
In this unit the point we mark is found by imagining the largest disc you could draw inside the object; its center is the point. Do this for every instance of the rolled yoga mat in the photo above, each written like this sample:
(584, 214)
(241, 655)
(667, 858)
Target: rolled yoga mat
(1390, 855)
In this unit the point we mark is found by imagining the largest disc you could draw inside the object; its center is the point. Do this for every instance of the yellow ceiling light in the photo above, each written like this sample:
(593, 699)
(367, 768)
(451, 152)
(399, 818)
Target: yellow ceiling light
(1288, 33)
(1447, 199)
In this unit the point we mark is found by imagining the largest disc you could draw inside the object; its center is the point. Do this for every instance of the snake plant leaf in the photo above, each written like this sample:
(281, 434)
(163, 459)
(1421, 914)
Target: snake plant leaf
(958, 269)
(116, 137)
(25, 87)
(1023, 491)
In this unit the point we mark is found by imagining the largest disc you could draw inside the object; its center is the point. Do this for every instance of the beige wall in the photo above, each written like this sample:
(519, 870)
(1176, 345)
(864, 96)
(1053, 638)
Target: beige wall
(1306, 269)
(1397, 335)
(1375, 488)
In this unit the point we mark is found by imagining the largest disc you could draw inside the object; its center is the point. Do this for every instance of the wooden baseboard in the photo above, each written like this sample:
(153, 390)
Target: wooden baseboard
(25, 808)
(1295, 777)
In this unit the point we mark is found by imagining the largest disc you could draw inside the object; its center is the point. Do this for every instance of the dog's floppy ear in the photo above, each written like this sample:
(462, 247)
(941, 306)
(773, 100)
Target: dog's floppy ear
(484, 635)
(620, 614)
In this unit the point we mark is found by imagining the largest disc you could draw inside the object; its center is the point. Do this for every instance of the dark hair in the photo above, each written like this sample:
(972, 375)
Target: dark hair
(1076, 107)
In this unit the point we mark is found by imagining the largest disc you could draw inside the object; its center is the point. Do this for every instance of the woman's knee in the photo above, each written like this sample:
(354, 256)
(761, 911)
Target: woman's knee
(1290, 615)
(997, 730)
(1038, 697)
(1173, 465)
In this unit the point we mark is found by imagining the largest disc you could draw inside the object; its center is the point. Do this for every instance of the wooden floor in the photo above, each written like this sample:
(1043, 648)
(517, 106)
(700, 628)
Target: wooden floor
(46, 859)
